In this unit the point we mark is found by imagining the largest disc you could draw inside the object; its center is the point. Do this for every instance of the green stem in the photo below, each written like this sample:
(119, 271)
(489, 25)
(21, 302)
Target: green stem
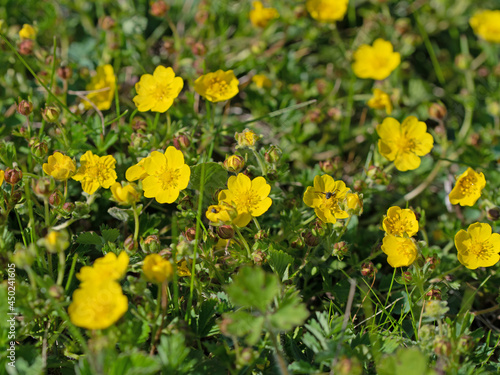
(60, 268)
(430, 50)
(71, 272)
(257, 224)
(136, 222)
(261, 162)
(245, 243)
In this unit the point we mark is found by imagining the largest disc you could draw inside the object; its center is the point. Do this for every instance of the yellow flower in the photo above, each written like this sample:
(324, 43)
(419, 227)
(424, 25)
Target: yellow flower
(125, 195)
(137, 171)
(107, 268)
(261, 81)
(2, 174)
(234, 163)
(486, 24)
(167, 175)
(399, 222)
(401, 251)
(157, 269)
(157, 92)
(105, 82)
(377, 61)
(380, 100)
(404, 143)
(248, 197)
(182, 268)
(247, 138)
(59, 166)
(326, 198)
(96, 171)
(354, 203)
(55, 241)
(220, 213)
(97, 306)
(327, 10)
(260, 16)
(468, 188)
(27, 32)
(478, 247)
(218, 86)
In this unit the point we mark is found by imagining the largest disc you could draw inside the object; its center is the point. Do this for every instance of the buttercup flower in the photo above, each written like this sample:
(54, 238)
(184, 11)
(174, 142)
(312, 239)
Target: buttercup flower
(377, 61)
(125, 195)
(137, 171)
(326, 197)
(182, 268)
(380, 100)
(260, 16)
(107, 268)
(234, 163)
(250, 198)
(97, 306)
(399, 222)
(167, 175)
(218, 86)
(468, 188)
(59, 166)
(247, 138)
(261, 81)
(157, 92)
(478, 247)
(327, 10)
(96, 171)
(401, 251)
(27, 32)
(486, 24)
(404, 143)
(105, 82)
(220, 213)
(157, 269)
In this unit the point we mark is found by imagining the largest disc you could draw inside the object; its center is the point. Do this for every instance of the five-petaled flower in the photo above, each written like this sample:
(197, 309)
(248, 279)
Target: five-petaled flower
(327, 10)
(103, 85)
(404, 143)
(400, 222)
(157, 269)
(327, 197)
(250, 198)
(380, 100)
(260, 16)
(377, 61)
(218, 86)
(59, 166)
(157, 92)
(478, 246)
(468, 188)
(401, 251)
(96, 171)
(486, 24)
(27, 32)
(108, 267)
(167, 175)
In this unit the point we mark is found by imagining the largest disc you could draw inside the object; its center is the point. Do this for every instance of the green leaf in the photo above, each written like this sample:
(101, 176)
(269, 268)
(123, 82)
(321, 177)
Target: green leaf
(242, 323)
(291, 313)
(206, 318)
(252, 287)
(280, 263)
(89, 238)
(134, 364)
(173, 355)
(119, 213)
(110, 235)
(215, 179)
(406, 361)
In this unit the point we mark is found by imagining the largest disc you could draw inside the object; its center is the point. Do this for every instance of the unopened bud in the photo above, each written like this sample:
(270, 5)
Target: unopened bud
(68, 207)
(107, 23)
(434, 294)
(493, 214)
(437, 111)
(198, 49)
(368, 269)
(181, 142)
(40, 149)
(261, 234)
(234, 163)
(340, 249)
(13, 175)
(310, 239)
(297, 243)
(225, 232)
(151, 244)
(56, 292)
(407, 277)
(159, 8)
(433, 261)
(259, 257)
(190, 234)
(25, 107)
(50, 114)
(129, 243)
(442, 346)
(327, 166)
(26, 47)
(273, 155)
(55, 198)
(42, 187)
(64, 72)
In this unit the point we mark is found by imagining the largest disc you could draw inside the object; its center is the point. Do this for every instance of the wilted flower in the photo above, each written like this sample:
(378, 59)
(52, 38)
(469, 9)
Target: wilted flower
(260, 16)
(377, 61)
(326, 198)
(404, 143)
(380, 100)
(125, 195)
(218, 86)
(247, 138)
(157, 92)
(468, 188)
(27, 32)
(401, 251)
(486, 24)
(105, 82)
(59, 166)
(400, 222)
(96, 171)
(478, 247)
(157, 269)
(327, 10)
(167, 175)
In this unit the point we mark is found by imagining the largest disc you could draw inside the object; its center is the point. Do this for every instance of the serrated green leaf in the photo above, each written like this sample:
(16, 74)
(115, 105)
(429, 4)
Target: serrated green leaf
(206, 318)
(252, 287)
(173, 355)
(119, 213)
(242, 323)
(280, 263)
(291, 313)
(215, 179)
(89, 238)
(110, 235)
(134, 364)
(408, 361)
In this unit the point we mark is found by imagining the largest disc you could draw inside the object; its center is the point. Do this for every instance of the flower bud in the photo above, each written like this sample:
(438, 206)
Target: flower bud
(247, 138)
(50, 114)
(407, 277)
(25, 107)
(24, 256)
(129, 243)
(64, 72)
(493, 214)
(297, 243)
(198, 49)
(151, 244)
(347, 366)
(437, 111)
(340, 249)
(26, 47)
(190, 234)
(13, 176)
(261, 234)
(327, 166)
(465, 344)
(259, 257)
(225, 232)
(159, 8)
(234, 163)
(310, 239)
(42, 187)
(107, 23)
(181, 142)
(14, 198)
(433, 261)
(56, 292)
(138, 124)
(434, 294)
(368, 269)
(55, 198)
(442, 346)
(55, 242)
(273, 155)
(40, 149)
(68, 207)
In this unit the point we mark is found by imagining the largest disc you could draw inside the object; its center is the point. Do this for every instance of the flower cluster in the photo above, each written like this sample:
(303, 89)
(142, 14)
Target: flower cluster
(102, 87)
(163, 175)
(99, 301)
(399, 226)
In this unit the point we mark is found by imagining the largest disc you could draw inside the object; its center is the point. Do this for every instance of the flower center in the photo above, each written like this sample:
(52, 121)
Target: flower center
(98, 172)
(482, 250)
(217, 86)
(397, 225)
(406, 145)
(163, 92)
(467, 186)
(247, 201)
(169, 178)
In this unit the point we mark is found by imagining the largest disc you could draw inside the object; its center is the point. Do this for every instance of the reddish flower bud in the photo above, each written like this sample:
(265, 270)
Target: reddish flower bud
(26, 47)
(225, 232)
(13, 176)
(64, 72)
(159, 8)
(25, 107)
